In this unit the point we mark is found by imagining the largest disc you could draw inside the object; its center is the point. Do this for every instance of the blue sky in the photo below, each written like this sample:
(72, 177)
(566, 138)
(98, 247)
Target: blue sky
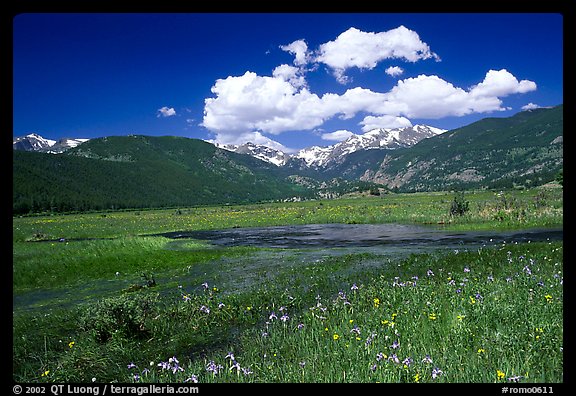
(285, 80)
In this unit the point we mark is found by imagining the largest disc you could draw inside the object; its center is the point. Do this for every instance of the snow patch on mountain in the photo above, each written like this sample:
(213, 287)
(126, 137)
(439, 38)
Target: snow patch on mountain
(390, 138)
(35, 142)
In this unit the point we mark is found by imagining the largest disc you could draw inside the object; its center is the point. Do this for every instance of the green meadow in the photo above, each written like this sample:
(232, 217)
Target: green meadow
(98, 298)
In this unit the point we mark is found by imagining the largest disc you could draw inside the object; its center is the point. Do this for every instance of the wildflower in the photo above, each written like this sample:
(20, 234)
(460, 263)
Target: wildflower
(427, 359)
(417, 377)
(354, 287)
(500, 374)
(45, 373)
(205, 285)
(548, 298)
(376, 302)
(380, 356)
(394, 358)
(236, 366)
(186, 297)
(302, 364)
(335, 336)
(284, 318)
(369, 339)
(466, 269)
(436, 372)
(136, 377)
(432, 316)
(272, 316)
(221, 305)
(395, 345)
(373, 367)
(131, 366)
(193, 378)
(300, 326)
(490, 278)
(407, 362)
(452, 282)
(204, 309)
(472, 300)
(460, 317)
(230, 356)
(213, 367)
(71, 344)
(429, 273)
(246, 371)
(539, 330)
(355, 330)
(515, 378)
(481, 350)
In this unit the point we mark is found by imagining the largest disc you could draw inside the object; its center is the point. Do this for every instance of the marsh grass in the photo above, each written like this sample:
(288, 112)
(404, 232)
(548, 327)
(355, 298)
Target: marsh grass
(452, 317)
(243, 315)
(538, 207)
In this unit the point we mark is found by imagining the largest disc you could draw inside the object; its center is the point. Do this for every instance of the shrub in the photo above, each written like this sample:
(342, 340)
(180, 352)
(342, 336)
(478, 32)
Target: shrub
(124, 316)
(459, 205)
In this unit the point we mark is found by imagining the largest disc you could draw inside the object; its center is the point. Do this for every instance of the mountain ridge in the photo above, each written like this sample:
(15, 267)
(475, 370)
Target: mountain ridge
(138, 171)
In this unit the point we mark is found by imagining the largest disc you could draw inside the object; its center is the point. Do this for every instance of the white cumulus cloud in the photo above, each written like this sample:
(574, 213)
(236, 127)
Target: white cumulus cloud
(530, 106)
(363, 50)
(394, 71)
(501, 83)
(166, 112)
(338, 136)
(386, 121)
(251, 106)
(432, 97)
(253, 102)
(299, 49)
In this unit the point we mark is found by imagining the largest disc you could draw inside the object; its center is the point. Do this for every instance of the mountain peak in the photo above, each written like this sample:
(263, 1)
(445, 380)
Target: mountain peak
(35, 142)
(378, 138)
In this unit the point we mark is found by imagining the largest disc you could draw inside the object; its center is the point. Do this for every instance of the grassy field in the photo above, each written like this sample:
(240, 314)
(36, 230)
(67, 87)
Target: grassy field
(137, 308)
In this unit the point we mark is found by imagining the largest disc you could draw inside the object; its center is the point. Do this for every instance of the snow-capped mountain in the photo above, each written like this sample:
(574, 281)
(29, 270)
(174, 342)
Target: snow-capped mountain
(320, 157)
(32, 142)
(265, 153)
(377, 138)
(35, 142)
(315, 156)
